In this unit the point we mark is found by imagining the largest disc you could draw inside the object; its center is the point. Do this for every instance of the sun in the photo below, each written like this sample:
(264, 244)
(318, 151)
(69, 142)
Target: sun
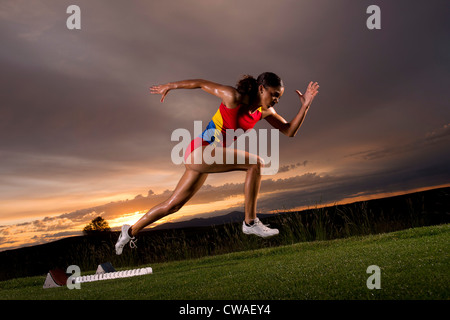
(128, 218)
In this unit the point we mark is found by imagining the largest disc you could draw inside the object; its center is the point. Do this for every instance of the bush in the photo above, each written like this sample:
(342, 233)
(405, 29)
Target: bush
(95, 226)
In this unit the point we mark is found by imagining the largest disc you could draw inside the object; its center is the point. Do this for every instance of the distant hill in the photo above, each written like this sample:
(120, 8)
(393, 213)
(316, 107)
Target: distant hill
(235, 216)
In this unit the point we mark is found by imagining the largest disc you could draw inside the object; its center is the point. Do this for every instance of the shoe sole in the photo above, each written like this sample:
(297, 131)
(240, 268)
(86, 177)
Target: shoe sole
(258, 235)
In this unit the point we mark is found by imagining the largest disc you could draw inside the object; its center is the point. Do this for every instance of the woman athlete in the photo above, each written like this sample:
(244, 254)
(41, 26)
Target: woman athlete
(241, 107)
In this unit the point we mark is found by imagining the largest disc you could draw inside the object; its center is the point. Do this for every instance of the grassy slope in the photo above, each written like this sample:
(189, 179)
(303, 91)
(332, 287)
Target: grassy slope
(414, 264)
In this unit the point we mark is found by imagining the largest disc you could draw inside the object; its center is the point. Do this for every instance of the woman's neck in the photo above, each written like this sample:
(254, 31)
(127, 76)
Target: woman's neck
(251, 106)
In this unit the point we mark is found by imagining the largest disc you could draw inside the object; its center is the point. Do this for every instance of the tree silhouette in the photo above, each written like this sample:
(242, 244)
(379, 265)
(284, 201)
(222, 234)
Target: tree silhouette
(96, 225)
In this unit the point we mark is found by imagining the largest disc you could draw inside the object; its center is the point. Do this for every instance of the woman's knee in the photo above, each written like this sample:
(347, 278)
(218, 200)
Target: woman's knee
(257, 165)
(172, 208)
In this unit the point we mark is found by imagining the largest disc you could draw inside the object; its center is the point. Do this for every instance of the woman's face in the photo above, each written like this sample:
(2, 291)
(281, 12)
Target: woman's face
(270, 96)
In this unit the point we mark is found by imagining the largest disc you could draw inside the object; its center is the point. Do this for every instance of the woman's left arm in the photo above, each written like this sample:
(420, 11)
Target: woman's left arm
(290, 128)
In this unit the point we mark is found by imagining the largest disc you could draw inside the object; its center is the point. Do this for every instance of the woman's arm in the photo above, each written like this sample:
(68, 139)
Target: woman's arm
(290, 128)
(226, 93)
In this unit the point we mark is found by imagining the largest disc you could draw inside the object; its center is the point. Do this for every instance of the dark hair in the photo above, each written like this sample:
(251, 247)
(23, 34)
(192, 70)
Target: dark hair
(248, 85)
(269, 80)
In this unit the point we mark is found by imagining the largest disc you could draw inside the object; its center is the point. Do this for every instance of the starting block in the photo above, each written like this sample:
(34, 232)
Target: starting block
(105, 271)
(114, 275)
(56, 278)
(105, 268)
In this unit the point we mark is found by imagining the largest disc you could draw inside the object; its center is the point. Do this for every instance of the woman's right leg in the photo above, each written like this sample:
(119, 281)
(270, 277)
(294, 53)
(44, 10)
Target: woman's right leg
(250, 163)
(241, 161)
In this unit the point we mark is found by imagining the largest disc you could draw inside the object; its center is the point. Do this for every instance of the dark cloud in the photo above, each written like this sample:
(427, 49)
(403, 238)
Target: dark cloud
(440, 136)
(286, 168)
(54, 114)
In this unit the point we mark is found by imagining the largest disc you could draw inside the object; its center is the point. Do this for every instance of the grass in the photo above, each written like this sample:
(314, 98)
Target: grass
(414, 264)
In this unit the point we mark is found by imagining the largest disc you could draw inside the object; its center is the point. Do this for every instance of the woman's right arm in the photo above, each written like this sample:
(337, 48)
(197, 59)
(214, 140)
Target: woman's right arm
(229, 95)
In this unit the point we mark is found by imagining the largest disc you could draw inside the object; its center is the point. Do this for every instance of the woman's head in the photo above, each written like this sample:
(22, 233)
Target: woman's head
(266, 90)
(269, 80)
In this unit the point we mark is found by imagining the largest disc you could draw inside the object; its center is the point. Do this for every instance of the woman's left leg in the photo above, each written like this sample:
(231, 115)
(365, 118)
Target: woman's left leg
(189, 184)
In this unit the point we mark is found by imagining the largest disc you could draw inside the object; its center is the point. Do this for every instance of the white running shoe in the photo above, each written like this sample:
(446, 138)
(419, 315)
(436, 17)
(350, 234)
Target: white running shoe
(259, 229)
(124, 238)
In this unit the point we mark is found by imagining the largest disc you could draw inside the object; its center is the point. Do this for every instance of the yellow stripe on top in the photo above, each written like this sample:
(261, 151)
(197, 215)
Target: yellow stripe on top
(218, 122)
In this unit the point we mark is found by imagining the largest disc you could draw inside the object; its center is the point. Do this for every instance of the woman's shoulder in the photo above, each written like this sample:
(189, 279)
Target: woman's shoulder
(267, 112)
(235, 100)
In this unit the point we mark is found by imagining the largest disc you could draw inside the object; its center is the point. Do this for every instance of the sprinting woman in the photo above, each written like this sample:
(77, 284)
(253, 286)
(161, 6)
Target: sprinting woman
(241, 107)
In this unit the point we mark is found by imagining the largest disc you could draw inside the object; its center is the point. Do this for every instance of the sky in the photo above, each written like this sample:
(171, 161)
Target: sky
(81, 136)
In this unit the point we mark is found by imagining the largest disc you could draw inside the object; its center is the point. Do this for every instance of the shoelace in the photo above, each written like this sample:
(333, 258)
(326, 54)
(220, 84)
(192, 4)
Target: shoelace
(133, 244)
(264, 226)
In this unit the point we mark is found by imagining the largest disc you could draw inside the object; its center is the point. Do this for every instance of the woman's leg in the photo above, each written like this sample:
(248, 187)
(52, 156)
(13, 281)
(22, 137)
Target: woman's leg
(196, 174)
(248, 162)
(189, 184)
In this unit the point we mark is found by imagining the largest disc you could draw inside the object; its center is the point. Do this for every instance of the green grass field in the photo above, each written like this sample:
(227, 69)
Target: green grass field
(414, 264)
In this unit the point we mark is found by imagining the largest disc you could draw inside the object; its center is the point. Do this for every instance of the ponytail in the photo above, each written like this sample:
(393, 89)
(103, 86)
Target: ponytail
(247, 85)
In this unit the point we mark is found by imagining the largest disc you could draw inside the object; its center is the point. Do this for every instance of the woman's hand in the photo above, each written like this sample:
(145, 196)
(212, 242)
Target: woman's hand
(307, 98)
(162, 89)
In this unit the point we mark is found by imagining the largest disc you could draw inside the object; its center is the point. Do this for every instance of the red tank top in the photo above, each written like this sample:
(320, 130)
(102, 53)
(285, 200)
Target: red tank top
(237, 118)
(226, 118)
(223, 119)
